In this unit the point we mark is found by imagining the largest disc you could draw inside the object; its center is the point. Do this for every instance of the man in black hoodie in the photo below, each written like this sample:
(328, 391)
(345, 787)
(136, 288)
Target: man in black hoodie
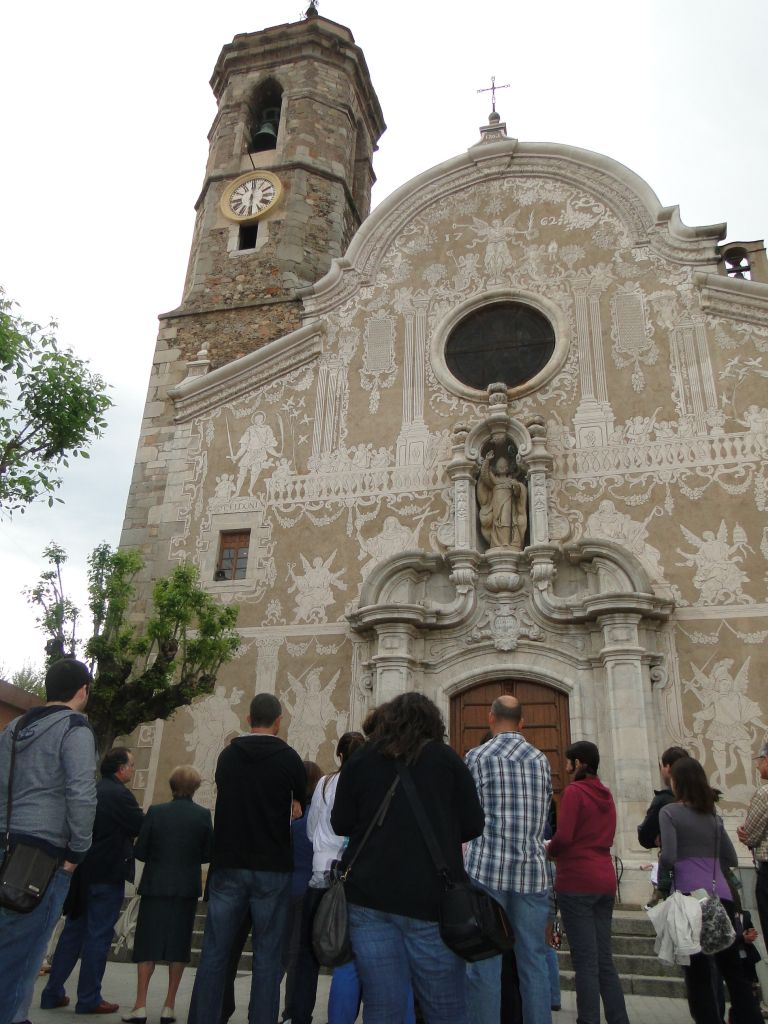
(648, 831)
(261, 787)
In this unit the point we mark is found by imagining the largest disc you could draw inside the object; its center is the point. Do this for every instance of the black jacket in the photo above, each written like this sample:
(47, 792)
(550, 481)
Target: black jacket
(118, 821)
(648, 830)
(258, 777)
(395, 872)
(175, 839)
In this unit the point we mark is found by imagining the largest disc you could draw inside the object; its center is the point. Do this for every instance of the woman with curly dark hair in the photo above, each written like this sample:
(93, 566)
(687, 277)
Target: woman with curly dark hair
(696, 849)
(393, 890)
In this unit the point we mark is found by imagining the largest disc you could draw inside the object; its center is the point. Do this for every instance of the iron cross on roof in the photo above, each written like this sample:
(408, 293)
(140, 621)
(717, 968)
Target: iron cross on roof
(492, 90)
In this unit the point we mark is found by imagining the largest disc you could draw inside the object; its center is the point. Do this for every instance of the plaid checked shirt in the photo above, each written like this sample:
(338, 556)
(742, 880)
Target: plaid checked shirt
(756, 824)
(514, 784)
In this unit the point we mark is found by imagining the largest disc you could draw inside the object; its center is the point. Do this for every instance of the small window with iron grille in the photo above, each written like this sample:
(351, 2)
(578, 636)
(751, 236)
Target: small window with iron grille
(233, 555)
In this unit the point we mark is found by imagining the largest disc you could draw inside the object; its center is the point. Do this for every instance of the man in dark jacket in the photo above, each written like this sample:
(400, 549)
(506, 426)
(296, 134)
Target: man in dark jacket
(261, 786)
(648, 832)
(100, 887)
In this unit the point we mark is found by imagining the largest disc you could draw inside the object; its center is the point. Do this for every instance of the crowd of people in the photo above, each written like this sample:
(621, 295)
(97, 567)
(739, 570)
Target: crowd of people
(283, 833)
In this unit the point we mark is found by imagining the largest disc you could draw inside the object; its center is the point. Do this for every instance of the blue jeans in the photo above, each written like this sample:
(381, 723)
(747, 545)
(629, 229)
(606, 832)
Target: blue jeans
(554, 977)
(528, 913)
(306, 967)
(23, 940)
(391, 952)
(87, 937)
(346, 991)
(344, 997)
(231, 893)
(587, 924)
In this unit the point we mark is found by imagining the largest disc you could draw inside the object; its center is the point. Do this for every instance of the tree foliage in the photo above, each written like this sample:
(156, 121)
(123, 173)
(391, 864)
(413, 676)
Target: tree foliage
(26, 678)
(51, 408)
(140, 673)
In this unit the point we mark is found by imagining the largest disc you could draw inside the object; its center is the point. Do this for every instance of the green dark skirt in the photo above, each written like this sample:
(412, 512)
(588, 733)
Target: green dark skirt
(164, 929)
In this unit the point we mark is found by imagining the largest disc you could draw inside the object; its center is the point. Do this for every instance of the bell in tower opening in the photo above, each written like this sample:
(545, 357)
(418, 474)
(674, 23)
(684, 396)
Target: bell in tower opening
(265, 117)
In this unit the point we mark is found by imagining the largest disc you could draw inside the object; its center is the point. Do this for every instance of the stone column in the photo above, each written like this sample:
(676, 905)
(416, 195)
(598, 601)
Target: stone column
(623, 735)
(268, 648)
(538, 463)
(461, 472)
(393, 660)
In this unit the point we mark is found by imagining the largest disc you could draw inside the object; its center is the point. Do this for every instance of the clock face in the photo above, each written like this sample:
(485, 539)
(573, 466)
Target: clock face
(250, 195)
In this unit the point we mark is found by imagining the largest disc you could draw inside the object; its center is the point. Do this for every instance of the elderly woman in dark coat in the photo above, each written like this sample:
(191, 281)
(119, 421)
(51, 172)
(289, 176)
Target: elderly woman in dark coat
(175, 839)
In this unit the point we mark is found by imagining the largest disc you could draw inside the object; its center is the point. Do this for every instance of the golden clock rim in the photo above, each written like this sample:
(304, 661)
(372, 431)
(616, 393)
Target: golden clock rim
(249, 176)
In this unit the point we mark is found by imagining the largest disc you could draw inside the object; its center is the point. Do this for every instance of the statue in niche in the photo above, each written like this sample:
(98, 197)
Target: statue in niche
(503, 502)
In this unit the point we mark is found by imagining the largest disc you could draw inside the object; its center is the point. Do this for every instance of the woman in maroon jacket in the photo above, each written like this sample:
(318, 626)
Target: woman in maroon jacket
(585, 884)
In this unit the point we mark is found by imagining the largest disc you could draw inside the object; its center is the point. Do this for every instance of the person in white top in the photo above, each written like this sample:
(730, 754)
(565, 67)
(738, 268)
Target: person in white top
(327, 847)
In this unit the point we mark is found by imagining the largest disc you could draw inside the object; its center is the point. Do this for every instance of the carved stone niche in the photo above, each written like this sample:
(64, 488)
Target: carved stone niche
(499, 434)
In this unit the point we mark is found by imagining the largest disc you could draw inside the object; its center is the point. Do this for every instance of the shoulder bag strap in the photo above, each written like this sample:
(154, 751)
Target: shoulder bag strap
(377, 819)
(717, 852)
(422, 821)
(9, 803)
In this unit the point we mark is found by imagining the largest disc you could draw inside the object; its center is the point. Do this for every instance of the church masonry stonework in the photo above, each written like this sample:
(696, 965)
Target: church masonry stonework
(304, 401)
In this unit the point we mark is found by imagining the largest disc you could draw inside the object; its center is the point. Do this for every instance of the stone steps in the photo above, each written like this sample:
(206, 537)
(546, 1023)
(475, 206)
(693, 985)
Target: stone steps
(640, 970)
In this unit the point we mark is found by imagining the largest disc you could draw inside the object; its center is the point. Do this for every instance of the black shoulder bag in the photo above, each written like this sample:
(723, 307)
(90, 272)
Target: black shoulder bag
(472, 923)
(27, 871)
(330, 925)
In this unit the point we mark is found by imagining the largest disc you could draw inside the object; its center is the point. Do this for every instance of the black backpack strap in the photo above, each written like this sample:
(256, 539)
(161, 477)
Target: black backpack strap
(422, 821)
(377, 819)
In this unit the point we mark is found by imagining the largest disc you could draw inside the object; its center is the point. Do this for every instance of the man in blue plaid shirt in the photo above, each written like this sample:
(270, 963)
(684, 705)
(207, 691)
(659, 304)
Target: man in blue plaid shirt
(514, 783)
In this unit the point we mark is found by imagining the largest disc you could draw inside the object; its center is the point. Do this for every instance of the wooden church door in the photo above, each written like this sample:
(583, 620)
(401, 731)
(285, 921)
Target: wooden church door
(546, 722)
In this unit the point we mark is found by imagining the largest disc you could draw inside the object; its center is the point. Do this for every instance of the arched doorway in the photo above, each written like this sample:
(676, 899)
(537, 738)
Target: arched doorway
(545, 717)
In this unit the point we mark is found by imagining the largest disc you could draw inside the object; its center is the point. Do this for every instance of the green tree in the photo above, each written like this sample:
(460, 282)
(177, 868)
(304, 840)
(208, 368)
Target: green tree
(26, 678)
(140, 673)
(51, 408)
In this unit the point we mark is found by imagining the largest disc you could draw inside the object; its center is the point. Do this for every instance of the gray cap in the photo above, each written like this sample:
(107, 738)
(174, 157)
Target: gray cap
(763, 752)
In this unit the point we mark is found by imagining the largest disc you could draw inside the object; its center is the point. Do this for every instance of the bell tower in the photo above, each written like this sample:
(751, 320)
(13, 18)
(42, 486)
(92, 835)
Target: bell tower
(287, 183)
(288, 179)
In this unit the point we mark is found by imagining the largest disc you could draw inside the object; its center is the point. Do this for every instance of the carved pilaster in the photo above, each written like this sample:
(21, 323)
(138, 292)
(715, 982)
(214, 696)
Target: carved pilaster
(624, 724)
(538, 463)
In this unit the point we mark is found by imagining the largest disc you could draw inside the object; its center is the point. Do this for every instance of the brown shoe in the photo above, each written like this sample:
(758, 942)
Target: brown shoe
(102, 1007)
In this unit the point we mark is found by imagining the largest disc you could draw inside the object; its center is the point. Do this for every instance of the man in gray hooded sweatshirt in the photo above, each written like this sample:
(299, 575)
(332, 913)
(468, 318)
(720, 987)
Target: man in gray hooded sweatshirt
(53, 807)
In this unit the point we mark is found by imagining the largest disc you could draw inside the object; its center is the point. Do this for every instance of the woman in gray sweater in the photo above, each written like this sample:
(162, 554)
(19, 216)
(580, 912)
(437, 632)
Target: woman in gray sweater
(697, 850)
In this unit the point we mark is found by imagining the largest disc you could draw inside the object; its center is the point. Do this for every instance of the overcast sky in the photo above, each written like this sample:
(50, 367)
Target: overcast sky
(106, 110)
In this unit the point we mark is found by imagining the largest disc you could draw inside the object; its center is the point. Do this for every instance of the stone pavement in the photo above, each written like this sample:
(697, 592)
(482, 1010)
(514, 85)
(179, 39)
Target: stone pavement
(120, 987)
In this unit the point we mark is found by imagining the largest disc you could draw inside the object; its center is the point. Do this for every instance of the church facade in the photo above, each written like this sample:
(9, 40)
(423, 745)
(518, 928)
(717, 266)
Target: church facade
(507, 434)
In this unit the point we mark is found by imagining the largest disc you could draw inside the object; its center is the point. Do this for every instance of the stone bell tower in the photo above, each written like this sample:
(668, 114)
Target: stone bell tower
(296, 128)
(287, 183)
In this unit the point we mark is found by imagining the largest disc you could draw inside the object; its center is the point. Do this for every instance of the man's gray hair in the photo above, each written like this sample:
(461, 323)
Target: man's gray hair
(512, 713)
